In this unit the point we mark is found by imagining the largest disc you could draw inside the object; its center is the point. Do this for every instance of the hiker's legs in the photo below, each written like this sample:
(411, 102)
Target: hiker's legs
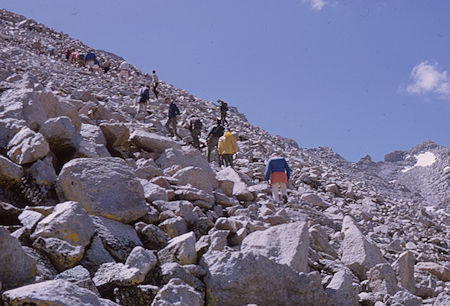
(228, 159)
(275, 192)
(283, 192)
(174, 126)
(169, 129)
(195, 141)
(212, 145)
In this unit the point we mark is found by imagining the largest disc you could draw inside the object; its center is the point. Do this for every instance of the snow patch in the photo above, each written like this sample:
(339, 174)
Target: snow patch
(423, 160)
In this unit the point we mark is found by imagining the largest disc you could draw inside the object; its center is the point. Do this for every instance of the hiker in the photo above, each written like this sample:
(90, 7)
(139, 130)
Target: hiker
(105, 65)
(142, 99)
(67, 54)
(51, 51)
(124, 71)
(73, 56)
(155, 83)
(212, 138)
(171, 124)
(195, 127)
(277, 173)
(227, 147)
(223, 111)
(90, 59)
(80, 59)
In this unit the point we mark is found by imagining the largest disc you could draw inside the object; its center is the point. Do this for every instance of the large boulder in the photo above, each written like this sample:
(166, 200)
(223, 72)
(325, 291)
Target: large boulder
(153, 192)
(27, 146)
(61, 135)
(285, 244)
(186, 157)
(56, 108)
(240, 188)
(142, 259)
(111, 275)
(152, 142)
(62, 254)
(23, 105)
(404, 268)
(10, 173)
(320, 242)
(93, 143)
(80, 277)
(116, 134)
(103, 186)
(53, 292)
(382, 279)
(17, 268)
(8, 128)
(196, 177)
(177, 292)
(69, 222)
(180, 249)
(358, 253)
(238, 278)
(340, 290)
(118, 238)
(95, 255)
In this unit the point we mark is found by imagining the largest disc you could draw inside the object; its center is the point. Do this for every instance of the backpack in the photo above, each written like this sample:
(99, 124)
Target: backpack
(144, 95)
(197, 124)
(218, 131)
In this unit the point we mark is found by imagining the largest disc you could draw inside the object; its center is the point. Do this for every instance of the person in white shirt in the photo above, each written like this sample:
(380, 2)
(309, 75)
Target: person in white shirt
(124, 71)
(155, 82)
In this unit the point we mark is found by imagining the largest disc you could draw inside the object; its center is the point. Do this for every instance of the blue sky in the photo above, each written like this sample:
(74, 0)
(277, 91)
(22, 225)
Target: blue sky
(361, 77)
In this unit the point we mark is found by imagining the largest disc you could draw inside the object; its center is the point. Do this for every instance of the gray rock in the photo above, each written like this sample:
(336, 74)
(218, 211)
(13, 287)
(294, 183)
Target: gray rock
(285, 244)
(313, 199)
(17, 267)
(177, 292)
(223, 200)
(118, 238)
(62, 254)
(116, 134)
(93, 143)
(153, 192)
(111, 275)
(357, 252)
(10, 173)
(443, 299)
(152, 236)
(180, 249)
(142, 259)
(196, 177)
(61, 135)
(174, 270)
(30, 218)
(53, 292)
(382, 279)
(340, 290)
(27, 146)
(152, 142)
(320, 241)
(56, 108)
(404, 298)
(440, 271)
(174, 226)
(237, 278)
(404, 268)
(103, 186)
(43, 173)
(69, 222)
(44, 268)
(240, 188)
(80, 277)
(205, 199)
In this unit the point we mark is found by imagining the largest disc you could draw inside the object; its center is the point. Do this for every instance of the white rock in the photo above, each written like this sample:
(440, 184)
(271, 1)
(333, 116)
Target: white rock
(27, 146)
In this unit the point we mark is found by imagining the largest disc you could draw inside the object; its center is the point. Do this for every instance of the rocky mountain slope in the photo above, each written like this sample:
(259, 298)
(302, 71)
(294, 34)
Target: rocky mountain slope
(99, 207)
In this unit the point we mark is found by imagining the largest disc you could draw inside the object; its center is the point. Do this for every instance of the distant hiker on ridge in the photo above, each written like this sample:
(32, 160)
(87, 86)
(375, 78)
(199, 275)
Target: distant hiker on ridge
(212, 139)
(223, 111)
(37, 46)
(142, 99)
(195, 127)
(171, 124)
(124, 71)
(227, 148)
(277, 173)
(155, 83)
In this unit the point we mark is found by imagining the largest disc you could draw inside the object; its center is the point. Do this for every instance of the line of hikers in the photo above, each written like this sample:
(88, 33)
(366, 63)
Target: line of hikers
(218, 138)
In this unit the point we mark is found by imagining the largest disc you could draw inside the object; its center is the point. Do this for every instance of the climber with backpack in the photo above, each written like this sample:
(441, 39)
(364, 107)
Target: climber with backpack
(227, 147)
(195, 127)
(212, 138)
(171, 124)
(223, 111)
(277, 173)
(142, 100)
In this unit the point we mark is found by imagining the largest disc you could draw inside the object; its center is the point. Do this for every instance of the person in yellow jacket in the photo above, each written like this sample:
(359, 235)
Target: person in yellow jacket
(227, 148)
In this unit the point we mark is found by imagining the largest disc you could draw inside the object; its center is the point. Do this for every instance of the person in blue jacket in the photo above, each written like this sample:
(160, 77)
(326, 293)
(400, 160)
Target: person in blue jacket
(277, 173)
